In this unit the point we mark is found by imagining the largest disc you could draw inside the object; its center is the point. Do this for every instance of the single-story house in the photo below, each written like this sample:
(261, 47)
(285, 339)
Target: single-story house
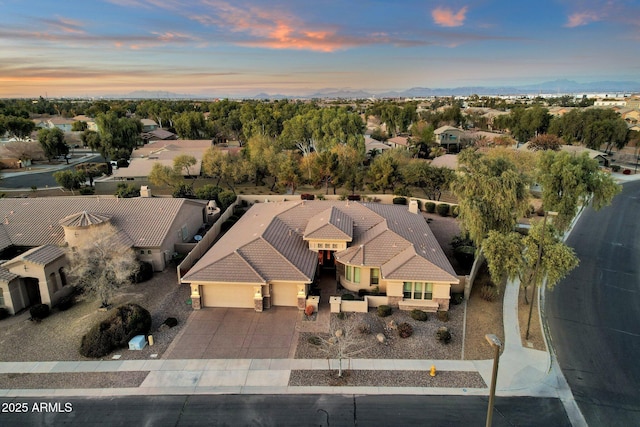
(272, 255)
(158, 134)
(148, 125)
(398, 142)
(34, 231)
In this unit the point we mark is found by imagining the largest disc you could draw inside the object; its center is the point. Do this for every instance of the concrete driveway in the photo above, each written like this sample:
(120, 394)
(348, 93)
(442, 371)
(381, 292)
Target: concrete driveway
(231, 333)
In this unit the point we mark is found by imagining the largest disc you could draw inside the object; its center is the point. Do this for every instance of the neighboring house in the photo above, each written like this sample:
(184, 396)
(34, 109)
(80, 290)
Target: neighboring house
(61, 123)
(372, 144)
(271, 256)
(633, 102)
(448, 136)
(398, 142)
(158, 135)
(34, 230)
(163, 152)
(91, 123)
(577, 150)
(148, 125)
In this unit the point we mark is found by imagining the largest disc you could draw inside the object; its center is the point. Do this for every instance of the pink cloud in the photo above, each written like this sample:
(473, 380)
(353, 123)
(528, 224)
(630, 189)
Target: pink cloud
(445, 17)
(582, 18)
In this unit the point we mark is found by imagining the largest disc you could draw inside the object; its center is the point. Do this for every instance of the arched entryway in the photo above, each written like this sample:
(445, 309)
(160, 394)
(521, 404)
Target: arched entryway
(32, 287)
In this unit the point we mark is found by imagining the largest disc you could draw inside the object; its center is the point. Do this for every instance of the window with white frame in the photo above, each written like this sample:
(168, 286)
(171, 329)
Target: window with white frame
(417, 290)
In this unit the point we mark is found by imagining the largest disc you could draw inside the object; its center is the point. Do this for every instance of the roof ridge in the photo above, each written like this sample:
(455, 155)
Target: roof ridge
(281, 255)
(404, 252)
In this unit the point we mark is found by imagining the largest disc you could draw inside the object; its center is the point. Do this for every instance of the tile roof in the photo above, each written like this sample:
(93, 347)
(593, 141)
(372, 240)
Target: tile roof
(267, 243)
(36, 222)
(41, 255)
(83, 219)
(6, 276)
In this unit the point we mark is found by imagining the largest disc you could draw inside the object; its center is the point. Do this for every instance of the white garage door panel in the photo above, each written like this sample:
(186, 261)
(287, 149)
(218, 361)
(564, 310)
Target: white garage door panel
(284, 294)
(236, 296)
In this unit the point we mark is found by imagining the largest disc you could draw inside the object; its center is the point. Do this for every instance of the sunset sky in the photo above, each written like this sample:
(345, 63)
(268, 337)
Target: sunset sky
(295, 47)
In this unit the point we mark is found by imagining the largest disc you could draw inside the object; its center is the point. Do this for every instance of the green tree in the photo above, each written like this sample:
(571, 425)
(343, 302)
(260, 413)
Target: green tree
(287, 170)
(183, 163)
(491, 193)
(118, 136)
(79, 126)
(571, 181)
(545, 142)
(431, 180)
(515, 256)
(18, 127)
(384, 171)
(162, 175)
(52, 142)
(70, 180)
(127, 191)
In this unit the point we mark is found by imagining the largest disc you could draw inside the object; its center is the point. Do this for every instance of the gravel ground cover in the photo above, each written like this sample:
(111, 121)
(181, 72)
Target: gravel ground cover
(366, 326)
(58, 336)
(73, 380)
(455, 379)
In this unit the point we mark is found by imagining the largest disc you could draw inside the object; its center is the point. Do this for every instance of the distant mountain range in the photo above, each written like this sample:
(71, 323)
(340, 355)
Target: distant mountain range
(559, 87)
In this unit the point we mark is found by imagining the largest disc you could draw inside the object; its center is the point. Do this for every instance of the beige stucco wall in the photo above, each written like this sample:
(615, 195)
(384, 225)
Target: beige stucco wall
(190, 216)
(51, 289)
(15, 297)
(317, 245)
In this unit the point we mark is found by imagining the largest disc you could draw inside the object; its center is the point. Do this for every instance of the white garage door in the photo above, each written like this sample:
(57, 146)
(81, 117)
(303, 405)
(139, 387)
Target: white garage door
(226, 295)
(285, 294)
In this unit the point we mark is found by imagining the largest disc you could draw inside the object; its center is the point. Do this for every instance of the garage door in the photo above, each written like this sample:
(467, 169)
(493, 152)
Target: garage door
(225, 295)
(285, 294)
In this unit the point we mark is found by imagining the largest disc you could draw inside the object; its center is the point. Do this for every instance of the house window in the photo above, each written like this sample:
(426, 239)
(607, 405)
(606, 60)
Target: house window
(352, 274)
(1, 298)
(375, 276)
(417, 290)
(327, 246)
(149, 251)
(356, 274)
(348, 272)
(407, 290)
(428, 291)
(334, 245)
(141, 251)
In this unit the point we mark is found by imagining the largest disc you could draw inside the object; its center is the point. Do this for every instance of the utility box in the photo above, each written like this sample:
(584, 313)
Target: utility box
(137, 343)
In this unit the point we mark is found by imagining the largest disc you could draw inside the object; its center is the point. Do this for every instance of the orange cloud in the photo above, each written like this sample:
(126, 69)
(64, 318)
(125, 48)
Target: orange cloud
(445, 17)
(582, 18)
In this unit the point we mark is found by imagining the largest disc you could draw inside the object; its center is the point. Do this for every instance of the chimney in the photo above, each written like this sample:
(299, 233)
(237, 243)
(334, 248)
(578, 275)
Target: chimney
(145, 191)
(413, 206)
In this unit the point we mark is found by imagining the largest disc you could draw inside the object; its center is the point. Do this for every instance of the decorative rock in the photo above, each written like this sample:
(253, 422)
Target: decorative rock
(392, 325)
(381, 338)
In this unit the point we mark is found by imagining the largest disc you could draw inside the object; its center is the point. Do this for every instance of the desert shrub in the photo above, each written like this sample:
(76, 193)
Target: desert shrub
(443, 335)
(320, 196)
(399, 200)
(39, 311)
(122, 163)
(457, 298)
(430, 207)
(405, 330)
(442, 209)
(489, 293)
(208, 192)
(384, 311)
(419, 315)
(126, 322)
(342, 315)
(615, 168)
(353, 197)
(364, 329)
(65, 303)
(307, 196)
(314, 340)
(226, 199)
(443, 316)
(455, 211)
(144, 273)
(86, 191)
(308, 310)
(348, 297)
(171, 322)
(4, 313)
(363, 292)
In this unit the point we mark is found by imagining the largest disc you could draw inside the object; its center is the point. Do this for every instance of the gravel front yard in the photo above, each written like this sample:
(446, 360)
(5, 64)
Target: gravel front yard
(387, 378)
(63, 380)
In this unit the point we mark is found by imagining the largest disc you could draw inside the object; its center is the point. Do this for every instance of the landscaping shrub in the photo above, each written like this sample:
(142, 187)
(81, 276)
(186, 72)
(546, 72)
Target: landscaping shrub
(540, 211)
(208, 192)
(405, 330)
(615, 168)
(126, 322)
(320, 196)
(430, 207)
(348, 297)
(226, 199)
(363, 292)
(171, 322)
(354, 197)
(122, 163)
(39, 312)
(65, 303)
(457, 298)
(342, 315)
(399, 200)
(489, 293)
(443, 316)
(443, 335)
(4, 313)
(419, 315)
(86, 191)
(307, 196)
(384, 311)
(364, 329)
(314, 340)
(455, 211)
(442, 209)
(144, 273)
(308, 310)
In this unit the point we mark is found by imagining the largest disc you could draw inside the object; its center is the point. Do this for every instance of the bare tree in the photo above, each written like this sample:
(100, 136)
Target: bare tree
(101, 261)
(344, 342)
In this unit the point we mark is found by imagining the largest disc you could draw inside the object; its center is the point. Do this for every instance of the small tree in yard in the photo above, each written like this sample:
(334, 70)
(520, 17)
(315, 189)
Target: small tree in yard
(344, 342)
(100, 262)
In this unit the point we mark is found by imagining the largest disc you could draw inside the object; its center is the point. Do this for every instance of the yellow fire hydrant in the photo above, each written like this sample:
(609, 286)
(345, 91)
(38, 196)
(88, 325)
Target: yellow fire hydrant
(433, 371)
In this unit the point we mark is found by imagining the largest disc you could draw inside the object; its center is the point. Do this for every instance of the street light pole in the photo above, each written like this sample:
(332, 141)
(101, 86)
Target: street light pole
(535, 271)
(494, 341)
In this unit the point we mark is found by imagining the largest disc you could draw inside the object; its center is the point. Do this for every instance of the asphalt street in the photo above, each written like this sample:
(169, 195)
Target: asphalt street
(282, 410)
(40, 179)
(594, 314)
